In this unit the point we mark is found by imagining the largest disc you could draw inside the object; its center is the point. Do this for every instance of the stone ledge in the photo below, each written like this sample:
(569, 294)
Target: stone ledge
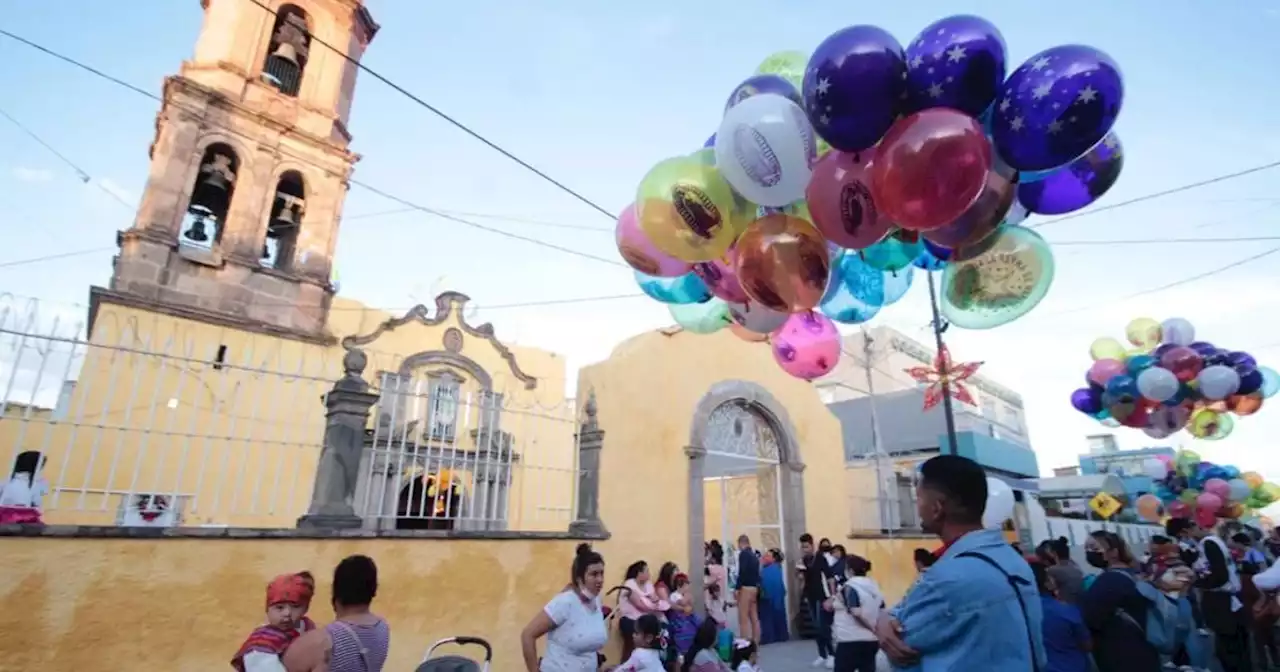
(113, 532)
(895, 534)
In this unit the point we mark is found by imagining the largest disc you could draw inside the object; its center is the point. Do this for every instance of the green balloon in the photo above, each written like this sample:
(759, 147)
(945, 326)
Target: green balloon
(788, 65)
(707, 317)
(1003, 283)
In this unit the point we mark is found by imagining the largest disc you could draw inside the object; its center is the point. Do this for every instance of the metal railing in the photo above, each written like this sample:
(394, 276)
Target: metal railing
(156, 421)
(442, 457)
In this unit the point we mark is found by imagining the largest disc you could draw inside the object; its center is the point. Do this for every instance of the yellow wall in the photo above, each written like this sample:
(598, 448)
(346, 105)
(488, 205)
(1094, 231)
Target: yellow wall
(892, 563)
(150, 413)
(647, 393)
(105, 605)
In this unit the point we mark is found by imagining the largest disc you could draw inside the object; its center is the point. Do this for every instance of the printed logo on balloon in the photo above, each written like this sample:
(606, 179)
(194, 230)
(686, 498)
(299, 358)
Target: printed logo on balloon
(697, 210)
(856, 207)
(756, 157)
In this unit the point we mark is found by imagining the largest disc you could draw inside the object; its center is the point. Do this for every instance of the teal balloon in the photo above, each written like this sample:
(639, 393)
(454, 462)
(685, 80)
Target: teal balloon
(891, 254)
(687, 288)
(1139, 363)
(896, 284)
(841, 303)
(701, 318)
(1270, 382)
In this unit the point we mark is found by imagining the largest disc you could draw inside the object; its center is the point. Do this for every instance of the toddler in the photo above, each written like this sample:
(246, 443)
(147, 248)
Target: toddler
(745, 658)
(288, 597)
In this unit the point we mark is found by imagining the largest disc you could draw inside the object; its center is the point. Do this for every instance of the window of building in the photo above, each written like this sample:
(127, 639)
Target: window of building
(211, 194)
(287, 51)
(284, 221)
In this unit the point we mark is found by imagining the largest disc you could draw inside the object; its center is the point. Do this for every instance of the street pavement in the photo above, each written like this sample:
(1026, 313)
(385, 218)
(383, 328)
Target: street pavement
(790, 656)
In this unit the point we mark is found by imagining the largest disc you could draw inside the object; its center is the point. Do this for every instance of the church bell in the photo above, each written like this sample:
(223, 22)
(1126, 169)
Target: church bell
(196, 231)
(212, 191)
(287, 52)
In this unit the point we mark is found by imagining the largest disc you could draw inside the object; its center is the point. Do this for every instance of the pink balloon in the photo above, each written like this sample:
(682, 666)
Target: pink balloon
(1178, 509)
(807, 345)
(1167, 460)
(1104, 370)
(1207, 501)
(640, 253)
(1206, 518)
(1219, 487)
(839, 196)
(720, 277)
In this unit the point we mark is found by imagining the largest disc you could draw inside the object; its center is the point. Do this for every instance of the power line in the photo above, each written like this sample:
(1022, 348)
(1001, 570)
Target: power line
(484, 215)
(1166, 241)
(456, 124)
(51, 257)
(1161, 194)
(308, 161)
(80, 172)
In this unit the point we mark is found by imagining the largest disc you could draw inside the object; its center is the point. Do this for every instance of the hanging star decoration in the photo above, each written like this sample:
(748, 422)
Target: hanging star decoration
(944, 377)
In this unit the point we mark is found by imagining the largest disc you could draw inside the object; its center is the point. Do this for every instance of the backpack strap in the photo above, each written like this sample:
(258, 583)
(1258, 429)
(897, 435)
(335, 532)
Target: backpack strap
(1014, 582)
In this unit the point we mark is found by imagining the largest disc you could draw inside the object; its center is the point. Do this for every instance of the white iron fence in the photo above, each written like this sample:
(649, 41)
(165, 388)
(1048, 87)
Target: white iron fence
(155, 421)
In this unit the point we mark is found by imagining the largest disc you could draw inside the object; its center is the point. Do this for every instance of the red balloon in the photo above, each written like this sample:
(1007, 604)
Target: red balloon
(1178, 509)
(840, 202)
(1184, 362)
(930, 167)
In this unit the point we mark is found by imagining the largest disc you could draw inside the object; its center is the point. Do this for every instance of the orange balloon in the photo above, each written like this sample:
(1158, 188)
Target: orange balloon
(782, 263)
(1245, 404)
(1148, 507)
(746, 334)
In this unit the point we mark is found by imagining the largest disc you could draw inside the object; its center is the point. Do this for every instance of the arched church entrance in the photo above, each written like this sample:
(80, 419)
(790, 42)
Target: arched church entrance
(746, 478)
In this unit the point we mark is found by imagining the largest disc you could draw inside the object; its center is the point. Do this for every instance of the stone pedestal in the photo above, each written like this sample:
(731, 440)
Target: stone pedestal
(338, 471)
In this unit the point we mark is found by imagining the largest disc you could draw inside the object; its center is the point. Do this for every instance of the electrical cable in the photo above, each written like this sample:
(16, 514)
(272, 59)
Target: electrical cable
(454, 122)
(484, 215)
(81, 173)
(199, 113)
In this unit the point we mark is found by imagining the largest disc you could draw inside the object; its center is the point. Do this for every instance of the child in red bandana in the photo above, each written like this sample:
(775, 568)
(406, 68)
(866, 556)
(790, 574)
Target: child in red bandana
(288, 597)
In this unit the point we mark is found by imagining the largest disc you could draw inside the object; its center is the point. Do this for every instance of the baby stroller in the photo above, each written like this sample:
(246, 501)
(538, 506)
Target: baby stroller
(455, 663)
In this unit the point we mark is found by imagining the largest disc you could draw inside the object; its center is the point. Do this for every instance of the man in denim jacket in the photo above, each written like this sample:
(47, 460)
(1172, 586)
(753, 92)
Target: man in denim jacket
(977, 608)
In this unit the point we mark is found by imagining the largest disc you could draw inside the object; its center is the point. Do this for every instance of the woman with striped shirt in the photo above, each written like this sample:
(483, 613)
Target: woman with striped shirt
(357, 640)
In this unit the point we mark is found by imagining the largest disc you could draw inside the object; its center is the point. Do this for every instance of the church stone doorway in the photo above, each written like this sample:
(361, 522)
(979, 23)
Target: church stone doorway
(745, 477)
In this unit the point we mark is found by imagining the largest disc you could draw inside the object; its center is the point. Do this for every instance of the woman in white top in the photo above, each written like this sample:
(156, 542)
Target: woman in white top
(858, 604)
(573, 622)
(21, 495)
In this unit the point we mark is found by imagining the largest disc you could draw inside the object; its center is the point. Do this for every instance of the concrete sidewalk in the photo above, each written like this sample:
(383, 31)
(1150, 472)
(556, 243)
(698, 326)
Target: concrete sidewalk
(790, 656)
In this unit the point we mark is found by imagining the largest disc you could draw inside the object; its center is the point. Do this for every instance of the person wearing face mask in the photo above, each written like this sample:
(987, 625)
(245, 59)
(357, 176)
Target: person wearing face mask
(1221, 608)
(1113, 608)
(978, 604)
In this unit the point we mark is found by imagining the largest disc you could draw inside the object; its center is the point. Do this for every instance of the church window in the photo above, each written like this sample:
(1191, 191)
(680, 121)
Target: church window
(215, 184)
(284, 221)
(287, 51)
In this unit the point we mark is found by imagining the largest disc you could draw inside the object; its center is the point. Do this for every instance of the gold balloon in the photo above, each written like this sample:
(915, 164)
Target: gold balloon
(1204, 423)
(746, 334)
(1143, 332)
(1245, 404)
(1253, 478)
(687, 209)
(1106, 348)
(782, 263)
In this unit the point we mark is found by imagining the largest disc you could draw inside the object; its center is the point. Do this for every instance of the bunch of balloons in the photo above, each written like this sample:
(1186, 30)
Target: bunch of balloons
(833, 176)
(1166, 381)
(1188, 487)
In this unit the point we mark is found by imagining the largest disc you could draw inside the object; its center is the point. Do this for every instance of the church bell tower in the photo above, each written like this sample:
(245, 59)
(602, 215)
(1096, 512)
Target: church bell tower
(249, 170)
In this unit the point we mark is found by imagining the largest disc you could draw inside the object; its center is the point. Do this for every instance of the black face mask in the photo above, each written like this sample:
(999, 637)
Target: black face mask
(1095, 559)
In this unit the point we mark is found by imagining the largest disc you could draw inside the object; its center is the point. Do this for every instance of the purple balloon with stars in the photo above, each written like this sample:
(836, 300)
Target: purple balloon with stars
(957, 62)
(1056, 106)
(1077, 184)
(853, 87)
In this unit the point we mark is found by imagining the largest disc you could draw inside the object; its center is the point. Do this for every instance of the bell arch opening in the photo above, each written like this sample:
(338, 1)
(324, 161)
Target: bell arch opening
(211, 196)
(284, 221)
(287, 51)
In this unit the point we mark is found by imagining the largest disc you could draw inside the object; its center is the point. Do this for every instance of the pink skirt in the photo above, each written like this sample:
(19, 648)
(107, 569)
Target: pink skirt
(19, 515)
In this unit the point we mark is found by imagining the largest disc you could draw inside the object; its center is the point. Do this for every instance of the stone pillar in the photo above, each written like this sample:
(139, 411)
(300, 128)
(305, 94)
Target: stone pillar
(338, 470)
(590, 441)
(697, 526)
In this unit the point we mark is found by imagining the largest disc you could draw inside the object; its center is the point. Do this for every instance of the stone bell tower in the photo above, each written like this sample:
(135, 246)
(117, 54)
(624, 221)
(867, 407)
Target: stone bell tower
(249, 170)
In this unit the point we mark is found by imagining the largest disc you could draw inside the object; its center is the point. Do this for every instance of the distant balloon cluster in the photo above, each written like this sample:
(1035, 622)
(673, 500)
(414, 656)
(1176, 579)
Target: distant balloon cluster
(1187, 486)
(833, 176)
(1165, 381)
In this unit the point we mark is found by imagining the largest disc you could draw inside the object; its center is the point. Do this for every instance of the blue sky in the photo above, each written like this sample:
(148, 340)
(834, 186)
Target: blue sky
(594, 93)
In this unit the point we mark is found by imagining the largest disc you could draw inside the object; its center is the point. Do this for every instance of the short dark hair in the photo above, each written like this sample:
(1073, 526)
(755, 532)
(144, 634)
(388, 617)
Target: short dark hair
(744, 539)
(355, 581)
(1160, 539)
(925, 557)
(1176, 526)
(857, 564)
(1242, 538)
(1061, 547)
(1042, 577)
(806, 538)
(961, 481)
(583, 558)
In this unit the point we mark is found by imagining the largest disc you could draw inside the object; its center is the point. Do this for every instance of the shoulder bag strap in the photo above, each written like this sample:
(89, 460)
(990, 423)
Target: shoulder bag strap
(1014, 583)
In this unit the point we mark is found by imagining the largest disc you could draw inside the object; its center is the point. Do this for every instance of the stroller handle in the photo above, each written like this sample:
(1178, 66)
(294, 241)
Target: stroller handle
(462, 641)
